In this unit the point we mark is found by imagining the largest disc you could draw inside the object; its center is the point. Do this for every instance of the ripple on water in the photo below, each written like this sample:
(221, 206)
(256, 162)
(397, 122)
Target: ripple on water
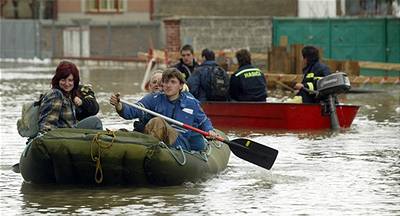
(355, 171)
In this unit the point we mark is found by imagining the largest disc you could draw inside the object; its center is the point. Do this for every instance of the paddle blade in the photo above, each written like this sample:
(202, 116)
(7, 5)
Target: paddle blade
(253, 152)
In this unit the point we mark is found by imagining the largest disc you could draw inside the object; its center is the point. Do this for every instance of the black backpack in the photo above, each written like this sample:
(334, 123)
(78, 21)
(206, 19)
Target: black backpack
(219, 84)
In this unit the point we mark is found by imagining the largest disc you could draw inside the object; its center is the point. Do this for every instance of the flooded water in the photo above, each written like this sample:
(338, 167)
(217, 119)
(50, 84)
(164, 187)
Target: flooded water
(352, 172)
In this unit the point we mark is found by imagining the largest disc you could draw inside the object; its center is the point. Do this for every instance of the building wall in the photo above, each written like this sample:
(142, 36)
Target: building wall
(123, 40)
(135, 10)
(167, 8)
(218, 33)
(104, 18)
(51, 41)
(320, 8)
(64, 6)
(141, 6)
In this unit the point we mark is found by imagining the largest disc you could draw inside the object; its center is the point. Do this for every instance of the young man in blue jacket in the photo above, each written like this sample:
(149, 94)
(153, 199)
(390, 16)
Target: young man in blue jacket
(175, 104)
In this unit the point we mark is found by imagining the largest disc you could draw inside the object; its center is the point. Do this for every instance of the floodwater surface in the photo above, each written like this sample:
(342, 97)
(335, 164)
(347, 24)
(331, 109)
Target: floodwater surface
(355, 171)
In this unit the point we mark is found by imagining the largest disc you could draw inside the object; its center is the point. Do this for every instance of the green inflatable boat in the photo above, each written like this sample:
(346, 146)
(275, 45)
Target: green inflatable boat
(82, 156)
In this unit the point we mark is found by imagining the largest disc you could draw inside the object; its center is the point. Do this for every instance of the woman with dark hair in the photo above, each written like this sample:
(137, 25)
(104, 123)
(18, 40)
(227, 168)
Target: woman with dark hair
(57, 107)
(312, 72)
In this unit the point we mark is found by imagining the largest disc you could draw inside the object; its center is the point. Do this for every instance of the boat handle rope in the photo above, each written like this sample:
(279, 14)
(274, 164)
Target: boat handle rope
(174, 156)
(98, 175)
(204, 154)
(207, 152)
(216, 143)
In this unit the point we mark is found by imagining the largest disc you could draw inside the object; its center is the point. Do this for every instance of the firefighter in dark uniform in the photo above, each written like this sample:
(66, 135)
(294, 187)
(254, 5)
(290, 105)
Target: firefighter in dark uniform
(85, 103)
(312, 72)
(248, 82)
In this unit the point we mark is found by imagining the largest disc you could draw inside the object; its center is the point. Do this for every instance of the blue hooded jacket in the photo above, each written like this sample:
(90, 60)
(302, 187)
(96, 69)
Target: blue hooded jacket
(198, 82)
(185, 109)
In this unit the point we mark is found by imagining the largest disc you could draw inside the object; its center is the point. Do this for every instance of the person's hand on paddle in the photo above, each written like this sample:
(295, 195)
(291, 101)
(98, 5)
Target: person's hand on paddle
(115, 101)
(297, 87)
(212, 135)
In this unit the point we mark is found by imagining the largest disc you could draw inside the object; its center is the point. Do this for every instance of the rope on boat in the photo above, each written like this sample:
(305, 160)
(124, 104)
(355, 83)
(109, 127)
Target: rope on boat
(207, 152)
(217, 143)
(98, 175)
(174, 156)
(202, 155)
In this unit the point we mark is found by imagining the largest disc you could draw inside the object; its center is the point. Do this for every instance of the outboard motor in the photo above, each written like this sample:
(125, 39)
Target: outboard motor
(335, 83)
(330, 86)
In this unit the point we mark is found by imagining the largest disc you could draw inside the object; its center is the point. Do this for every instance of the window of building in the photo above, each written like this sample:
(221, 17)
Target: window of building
(371, 7)
(101, 6)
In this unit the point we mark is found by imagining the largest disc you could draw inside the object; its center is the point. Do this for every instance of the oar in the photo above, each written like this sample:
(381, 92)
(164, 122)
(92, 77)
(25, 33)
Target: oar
(248, 150)
(146, 76)
(285, 86)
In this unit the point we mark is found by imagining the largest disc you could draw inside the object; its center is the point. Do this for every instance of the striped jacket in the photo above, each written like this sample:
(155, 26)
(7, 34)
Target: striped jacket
(56, 111)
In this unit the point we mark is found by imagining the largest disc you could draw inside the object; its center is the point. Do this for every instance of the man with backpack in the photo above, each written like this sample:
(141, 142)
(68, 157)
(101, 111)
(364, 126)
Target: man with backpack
(209, 82)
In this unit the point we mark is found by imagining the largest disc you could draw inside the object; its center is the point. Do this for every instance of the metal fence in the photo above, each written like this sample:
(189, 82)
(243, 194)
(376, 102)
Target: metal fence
(19, 40)
(361, 39)
(48, 39)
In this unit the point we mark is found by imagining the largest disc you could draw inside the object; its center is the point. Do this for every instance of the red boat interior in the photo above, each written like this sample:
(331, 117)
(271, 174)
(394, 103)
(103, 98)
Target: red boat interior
(256, 115)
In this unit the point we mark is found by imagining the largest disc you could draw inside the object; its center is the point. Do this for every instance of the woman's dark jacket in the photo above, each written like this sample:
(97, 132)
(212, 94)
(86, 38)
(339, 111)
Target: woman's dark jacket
(248, 84)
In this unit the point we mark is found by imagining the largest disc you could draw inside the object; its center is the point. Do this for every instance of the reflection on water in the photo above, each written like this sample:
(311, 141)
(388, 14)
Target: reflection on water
(355, 171)
(380, 107)
(101, 199)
